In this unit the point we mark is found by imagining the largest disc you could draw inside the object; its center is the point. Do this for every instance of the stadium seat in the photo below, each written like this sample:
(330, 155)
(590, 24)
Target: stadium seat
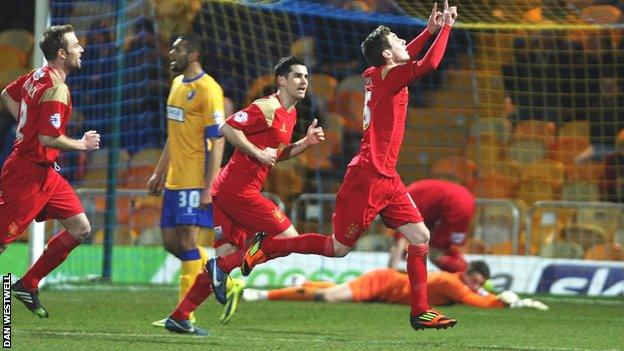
(20, 38)
(259, 87)
(496, 186)
(145, 157)
(12, 57)
(351, 83)
(580, 190)
(525, 150)
(485, 148)
(591, 171)
(455, 168)
(7, 75)
(350, 105)
(605, 252)
(602, 14)
(586, 235)
(561, 249)
(474, 246)
(285, 180)
(323, 86)
(143, 216)
(578, 128)
(499, 127)
(566, 148)
(535, 130)
(138, 176)
(320, 156)
(550, 172)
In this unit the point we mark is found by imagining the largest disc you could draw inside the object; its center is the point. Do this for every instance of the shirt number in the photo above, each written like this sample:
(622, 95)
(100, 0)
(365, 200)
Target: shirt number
(23, 116)
(188, 198)
(367, 110)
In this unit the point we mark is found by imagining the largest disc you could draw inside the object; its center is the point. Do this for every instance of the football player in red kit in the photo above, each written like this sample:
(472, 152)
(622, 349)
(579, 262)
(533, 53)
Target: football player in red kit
(30, 185)
(447, 209)
(372, 185)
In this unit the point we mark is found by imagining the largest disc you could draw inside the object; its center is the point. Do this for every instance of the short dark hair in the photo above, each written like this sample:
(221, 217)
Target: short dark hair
(193, 43)
(283, 66)
(53, 39)
(479, 267)
(374, 45)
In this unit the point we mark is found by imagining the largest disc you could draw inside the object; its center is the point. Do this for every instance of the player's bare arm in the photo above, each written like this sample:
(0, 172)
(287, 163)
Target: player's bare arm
(214, 163)
(90, 141)
(156, 183)
(11, 105)
(236, 137)
(314, 136)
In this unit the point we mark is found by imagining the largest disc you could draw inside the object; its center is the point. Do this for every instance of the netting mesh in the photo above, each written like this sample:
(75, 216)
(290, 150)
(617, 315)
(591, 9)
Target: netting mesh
(526, 106)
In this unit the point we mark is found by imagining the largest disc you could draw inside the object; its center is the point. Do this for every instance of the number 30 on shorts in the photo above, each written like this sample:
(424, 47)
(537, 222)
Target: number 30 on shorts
(188, 198)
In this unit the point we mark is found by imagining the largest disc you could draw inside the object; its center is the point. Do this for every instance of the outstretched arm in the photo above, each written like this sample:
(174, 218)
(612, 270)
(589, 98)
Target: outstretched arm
(433, 25)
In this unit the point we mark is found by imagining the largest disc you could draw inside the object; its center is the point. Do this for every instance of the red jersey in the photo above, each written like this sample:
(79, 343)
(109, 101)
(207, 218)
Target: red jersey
(442, 200)
(266, 123)
(385, 104)
(45, 109)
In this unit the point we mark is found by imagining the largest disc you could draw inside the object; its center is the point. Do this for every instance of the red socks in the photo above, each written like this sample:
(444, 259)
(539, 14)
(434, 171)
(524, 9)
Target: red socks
(200, 290)
(310, 243)
(417, 272)
(231, 261)
(56, 251)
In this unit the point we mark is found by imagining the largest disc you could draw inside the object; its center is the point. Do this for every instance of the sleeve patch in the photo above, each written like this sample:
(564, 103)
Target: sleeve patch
(55, 120)
(241, 117)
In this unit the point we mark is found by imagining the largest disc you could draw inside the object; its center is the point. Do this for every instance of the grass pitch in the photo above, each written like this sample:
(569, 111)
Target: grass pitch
(119, 318)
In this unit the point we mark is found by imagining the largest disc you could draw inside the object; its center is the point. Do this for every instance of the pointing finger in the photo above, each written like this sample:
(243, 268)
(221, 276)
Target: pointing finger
(314, 122)
(435, 8)
(446, 6)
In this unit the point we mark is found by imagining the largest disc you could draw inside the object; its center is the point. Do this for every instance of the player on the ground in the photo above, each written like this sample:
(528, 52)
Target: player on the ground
(447, 209)
(371, 184)
(262, 135)
(190, 160)
(31, 186)
(392, 286)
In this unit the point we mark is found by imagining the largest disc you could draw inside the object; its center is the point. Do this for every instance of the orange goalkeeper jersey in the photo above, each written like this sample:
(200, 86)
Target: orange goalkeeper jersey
(389, 285)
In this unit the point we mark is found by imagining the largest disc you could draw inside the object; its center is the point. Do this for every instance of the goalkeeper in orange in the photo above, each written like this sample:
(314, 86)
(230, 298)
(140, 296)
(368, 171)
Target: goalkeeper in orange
(392, 286)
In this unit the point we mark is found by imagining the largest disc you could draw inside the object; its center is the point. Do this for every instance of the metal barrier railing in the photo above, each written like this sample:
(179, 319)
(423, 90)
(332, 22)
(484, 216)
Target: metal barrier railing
(515, 219)
(577, 205)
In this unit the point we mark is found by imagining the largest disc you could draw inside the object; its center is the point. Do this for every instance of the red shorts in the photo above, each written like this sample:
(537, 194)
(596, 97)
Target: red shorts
(238, 216)
(362, 196)
(30, 191)
(450, 231)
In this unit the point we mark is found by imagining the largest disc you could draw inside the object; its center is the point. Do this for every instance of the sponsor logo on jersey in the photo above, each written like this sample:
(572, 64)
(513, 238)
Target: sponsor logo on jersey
(190, 95)
(175, 113)
(55, 120)
(279, 215)
(283, 128)
(241, 117)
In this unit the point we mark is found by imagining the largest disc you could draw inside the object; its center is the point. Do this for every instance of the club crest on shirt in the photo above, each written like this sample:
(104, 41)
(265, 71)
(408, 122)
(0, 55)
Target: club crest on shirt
(241, 117)
(352, 231)
(190, 95)
(12, 230)
(55, 120)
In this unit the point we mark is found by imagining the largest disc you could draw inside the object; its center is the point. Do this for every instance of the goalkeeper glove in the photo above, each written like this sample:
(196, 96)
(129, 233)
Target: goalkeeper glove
(529, 303)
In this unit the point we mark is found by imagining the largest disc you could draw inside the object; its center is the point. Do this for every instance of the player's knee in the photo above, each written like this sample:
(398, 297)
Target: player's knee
(81, 231)
(341, 250)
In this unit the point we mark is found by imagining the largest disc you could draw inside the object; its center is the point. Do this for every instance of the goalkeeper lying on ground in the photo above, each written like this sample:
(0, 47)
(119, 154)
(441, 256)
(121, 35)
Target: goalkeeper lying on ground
(391, 286)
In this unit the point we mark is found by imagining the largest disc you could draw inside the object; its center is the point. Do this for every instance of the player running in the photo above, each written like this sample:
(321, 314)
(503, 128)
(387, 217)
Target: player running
(372, 185)
(31, 186)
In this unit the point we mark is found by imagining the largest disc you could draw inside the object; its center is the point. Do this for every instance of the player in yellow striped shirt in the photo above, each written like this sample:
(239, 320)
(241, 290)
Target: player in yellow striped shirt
(191, 158)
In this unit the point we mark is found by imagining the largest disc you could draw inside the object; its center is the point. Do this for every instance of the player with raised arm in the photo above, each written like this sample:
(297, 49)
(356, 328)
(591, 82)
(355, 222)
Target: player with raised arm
(190, 159)
(447, 209)
(372, 185)
(262, 134)
(31, 188)
(392, 286)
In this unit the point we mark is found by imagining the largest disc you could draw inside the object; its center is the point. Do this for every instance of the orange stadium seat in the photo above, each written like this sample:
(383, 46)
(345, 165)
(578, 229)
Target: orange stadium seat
(455, 168)
(12, 57)
(319, 157)
(485, 148)
(591, 171)
(566, 148)
(535, 130)
(145, 157)
(525, 150)
(496, 186)
(258, 88)
(20, 38)
(605, 252)
(350, 105)
(578, 128)
(323, 86)
(498, 127)
(351, 83)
